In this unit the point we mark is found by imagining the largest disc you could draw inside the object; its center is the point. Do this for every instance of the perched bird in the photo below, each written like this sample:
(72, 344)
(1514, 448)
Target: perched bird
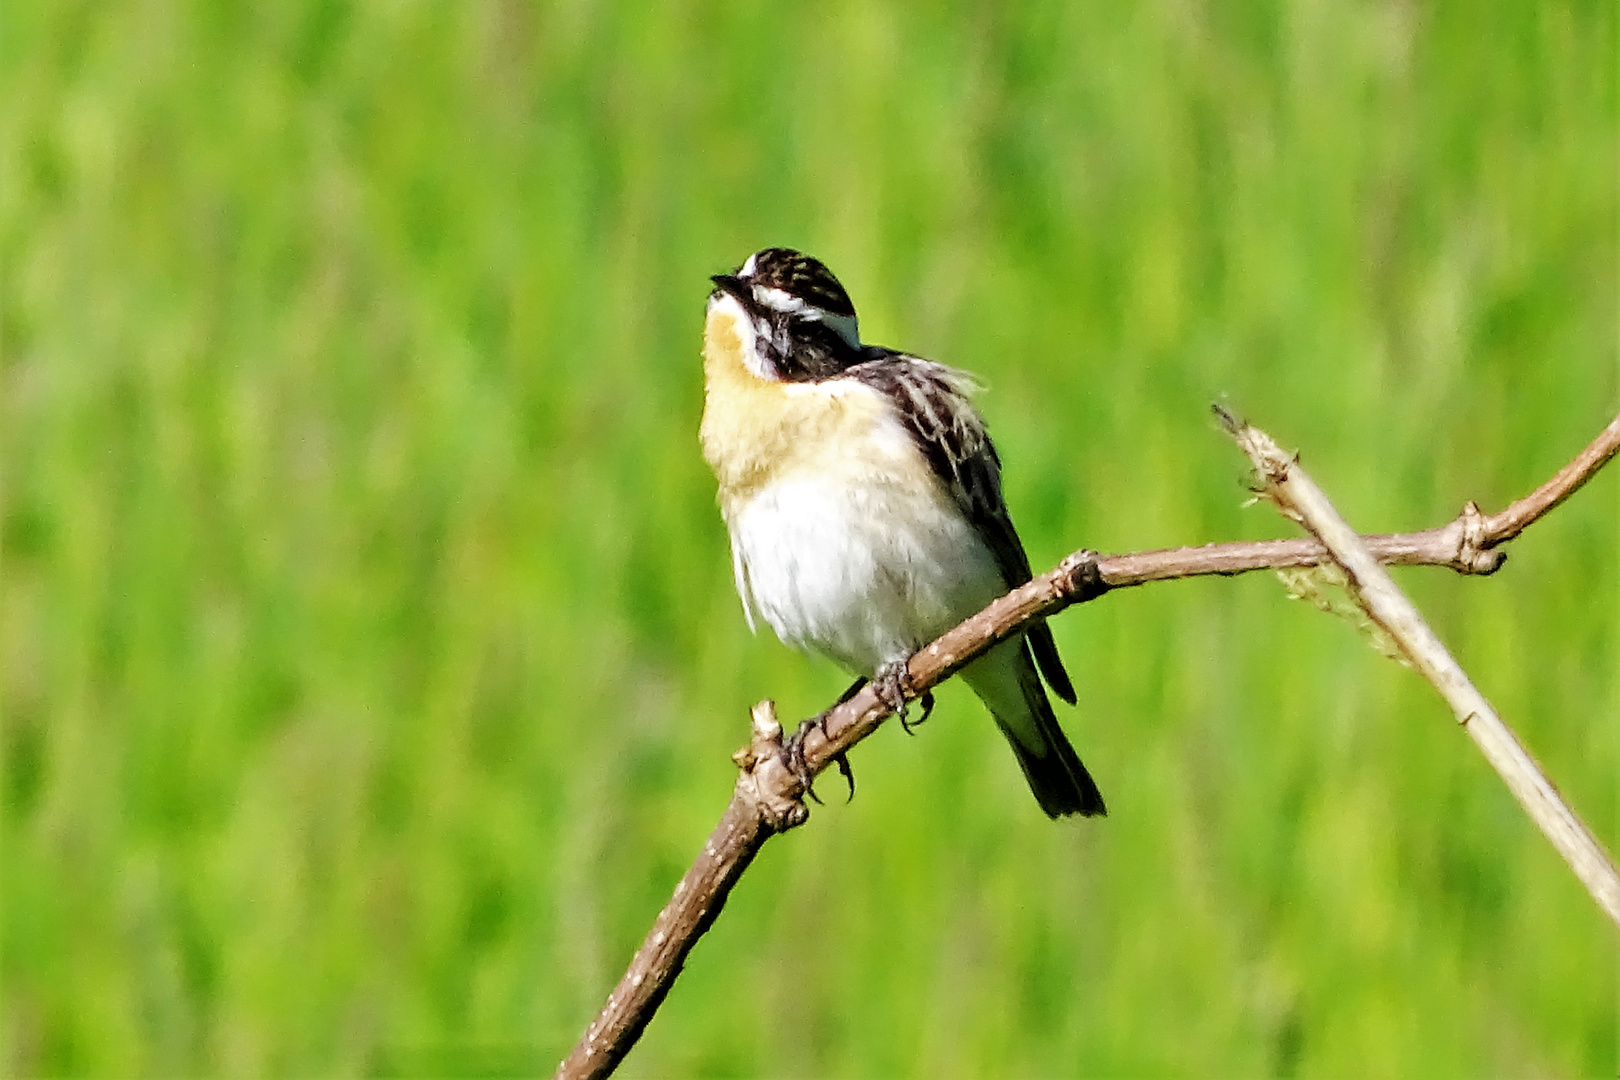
(863, 497)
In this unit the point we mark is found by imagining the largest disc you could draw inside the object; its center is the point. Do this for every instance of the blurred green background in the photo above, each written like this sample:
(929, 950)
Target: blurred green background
(370, 654)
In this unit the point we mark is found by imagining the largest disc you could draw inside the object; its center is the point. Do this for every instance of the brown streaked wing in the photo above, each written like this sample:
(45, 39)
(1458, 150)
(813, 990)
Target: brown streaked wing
(933, 404)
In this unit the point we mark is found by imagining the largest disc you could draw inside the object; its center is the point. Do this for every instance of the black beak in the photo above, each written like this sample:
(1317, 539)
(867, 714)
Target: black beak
(737, 287)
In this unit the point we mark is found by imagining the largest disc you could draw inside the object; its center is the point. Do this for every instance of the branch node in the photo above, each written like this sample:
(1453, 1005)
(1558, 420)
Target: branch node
(767, 783)
(1474, 556)
(1081, 577)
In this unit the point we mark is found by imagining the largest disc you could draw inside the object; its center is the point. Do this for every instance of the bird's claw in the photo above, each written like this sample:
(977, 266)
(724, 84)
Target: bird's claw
(793, 758)
(847, 773)
(926, 700)
(892, 683)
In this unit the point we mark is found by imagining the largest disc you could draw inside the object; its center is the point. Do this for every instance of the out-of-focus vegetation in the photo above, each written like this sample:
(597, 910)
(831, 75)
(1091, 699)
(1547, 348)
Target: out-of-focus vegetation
(370, 654)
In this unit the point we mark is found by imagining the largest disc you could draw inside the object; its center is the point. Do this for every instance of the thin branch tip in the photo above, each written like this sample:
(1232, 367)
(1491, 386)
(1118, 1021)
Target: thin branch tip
(1230, 422)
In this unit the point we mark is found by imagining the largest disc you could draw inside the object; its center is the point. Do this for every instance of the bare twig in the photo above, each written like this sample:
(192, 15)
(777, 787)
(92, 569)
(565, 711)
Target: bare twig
(768, 797)
(1297, 496)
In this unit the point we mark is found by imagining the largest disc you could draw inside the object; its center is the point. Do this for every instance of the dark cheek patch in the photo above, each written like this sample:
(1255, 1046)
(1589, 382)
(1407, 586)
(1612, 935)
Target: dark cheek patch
(815, 352)
(794, 348)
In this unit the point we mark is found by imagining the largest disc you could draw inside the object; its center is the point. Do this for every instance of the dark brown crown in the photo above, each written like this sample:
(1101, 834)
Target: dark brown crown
(800, 275)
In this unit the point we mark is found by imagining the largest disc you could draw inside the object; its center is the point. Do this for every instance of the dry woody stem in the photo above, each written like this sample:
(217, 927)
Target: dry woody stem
(1298, 497)
(768, 797)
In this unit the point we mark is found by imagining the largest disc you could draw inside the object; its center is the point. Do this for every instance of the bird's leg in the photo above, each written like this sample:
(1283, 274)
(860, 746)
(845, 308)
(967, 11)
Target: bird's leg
(926, 700)
(793, 748)
(842, 760)
(793, 755)
(893, 685)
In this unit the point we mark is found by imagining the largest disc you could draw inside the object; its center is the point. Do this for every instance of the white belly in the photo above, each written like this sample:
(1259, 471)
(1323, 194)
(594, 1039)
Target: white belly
(863, 564)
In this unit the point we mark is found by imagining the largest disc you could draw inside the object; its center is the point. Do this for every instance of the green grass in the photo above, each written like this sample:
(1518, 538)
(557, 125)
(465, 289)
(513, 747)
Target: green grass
(370, 658)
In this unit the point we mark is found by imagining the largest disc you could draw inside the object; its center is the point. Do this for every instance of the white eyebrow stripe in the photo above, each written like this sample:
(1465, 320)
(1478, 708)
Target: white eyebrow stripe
(748, 267)
(779, 300)
(845, 326)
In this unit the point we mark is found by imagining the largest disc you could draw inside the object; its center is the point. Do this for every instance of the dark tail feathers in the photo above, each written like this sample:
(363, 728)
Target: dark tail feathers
(1060, 782)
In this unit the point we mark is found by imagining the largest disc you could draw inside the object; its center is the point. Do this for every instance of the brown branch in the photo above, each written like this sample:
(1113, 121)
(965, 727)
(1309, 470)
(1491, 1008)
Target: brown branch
(767, 799)
(1298, 497)
(1512, 521)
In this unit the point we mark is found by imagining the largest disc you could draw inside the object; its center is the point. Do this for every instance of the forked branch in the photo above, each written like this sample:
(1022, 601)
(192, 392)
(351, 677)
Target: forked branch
(769, 798)
(1298, 497)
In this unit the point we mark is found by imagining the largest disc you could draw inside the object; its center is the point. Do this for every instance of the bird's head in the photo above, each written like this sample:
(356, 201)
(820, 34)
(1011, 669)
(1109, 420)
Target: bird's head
(796, 320)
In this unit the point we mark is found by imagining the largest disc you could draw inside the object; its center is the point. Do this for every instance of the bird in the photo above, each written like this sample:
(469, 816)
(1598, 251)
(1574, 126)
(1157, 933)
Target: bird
(862, 495)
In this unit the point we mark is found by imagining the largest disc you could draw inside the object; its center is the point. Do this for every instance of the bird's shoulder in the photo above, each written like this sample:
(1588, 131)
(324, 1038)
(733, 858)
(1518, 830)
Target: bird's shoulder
(934, 403)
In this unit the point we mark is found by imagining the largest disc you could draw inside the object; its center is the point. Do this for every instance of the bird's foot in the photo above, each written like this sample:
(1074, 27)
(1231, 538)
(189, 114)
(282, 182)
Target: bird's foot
(927, 703)
(892, 684)
(793, 757)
